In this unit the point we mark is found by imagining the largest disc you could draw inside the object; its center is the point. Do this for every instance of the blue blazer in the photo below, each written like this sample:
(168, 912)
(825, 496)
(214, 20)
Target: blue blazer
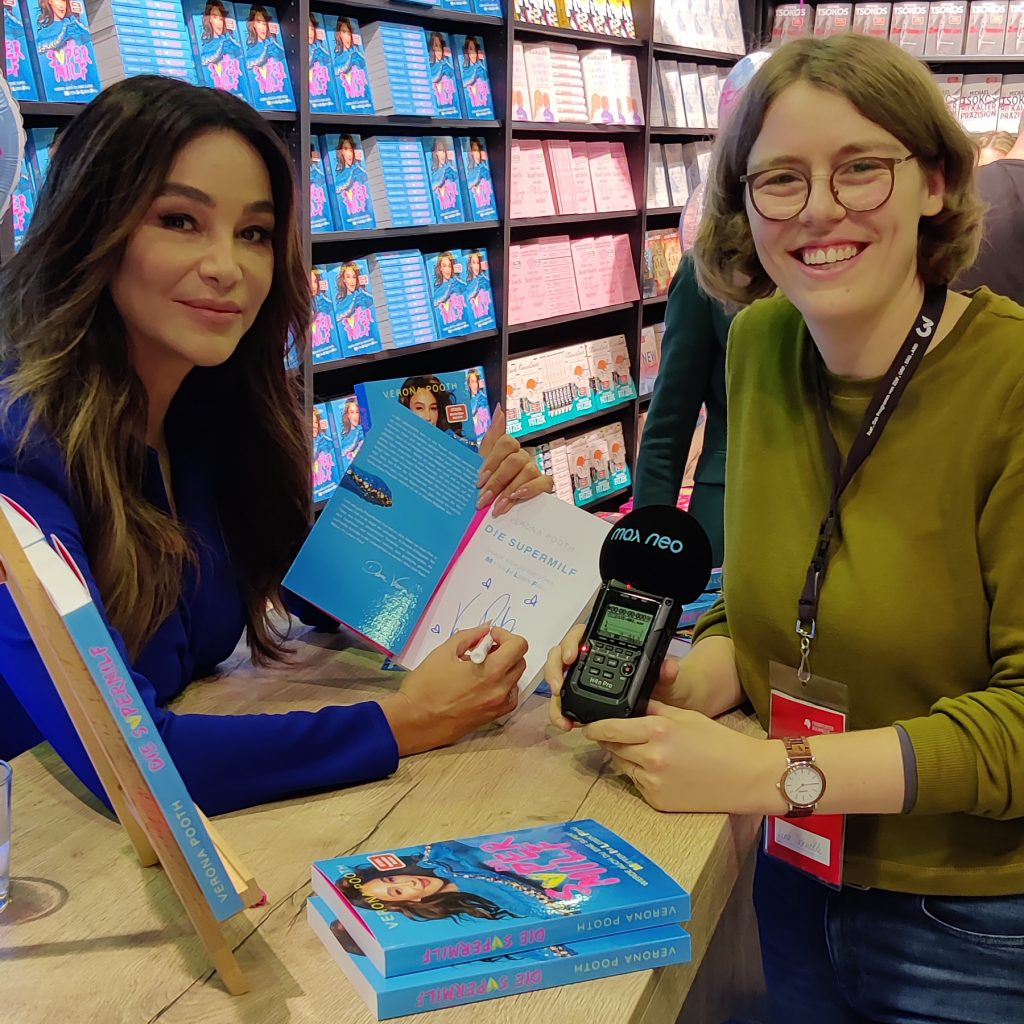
(227, 761)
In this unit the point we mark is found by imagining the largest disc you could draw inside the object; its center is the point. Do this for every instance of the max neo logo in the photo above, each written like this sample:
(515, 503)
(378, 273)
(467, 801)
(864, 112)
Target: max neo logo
(631, 535)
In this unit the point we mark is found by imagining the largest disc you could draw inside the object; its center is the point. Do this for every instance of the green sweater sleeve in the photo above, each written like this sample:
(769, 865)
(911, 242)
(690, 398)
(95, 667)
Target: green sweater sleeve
(970, 748)
(689, 349)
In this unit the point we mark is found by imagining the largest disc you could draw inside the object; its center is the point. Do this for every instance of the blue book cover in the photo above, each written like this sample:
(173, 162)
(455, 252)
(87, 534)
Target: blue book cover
(351, 75)
(324, 330)
(455, 402)
(443, 174)
(23, 203)
(456, 5)
(461, 900)
(60, 45)
(448, 293)
(70, 597)
(354, 309)
(267, 79)
(20, 75)
(442, 75)
(326, 471)
(218, 48)
(374, 559)
(475, 179)
(474, 81)
(323, 96)
(39, 150)
(479, 297)
(488, 7)
(320, 217)
(348, 182)
(494, 976)
(348, 429)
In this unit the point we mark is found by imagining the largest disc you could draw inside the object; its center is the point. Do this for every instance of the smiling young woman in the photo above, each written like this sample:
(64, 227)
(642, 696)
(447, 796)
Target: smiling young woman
(875, 491)
(147, 420)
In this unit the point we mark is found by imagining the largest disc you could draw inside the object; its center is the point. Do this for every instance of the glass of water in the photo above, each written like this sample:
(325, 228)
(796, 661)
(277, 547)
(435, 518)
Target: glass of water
(5, 834)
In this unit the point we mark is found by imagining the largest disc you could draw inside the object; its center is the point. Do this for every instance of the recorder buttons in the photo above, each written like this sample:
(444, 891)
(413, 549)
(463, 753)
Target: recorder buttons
(627, 669)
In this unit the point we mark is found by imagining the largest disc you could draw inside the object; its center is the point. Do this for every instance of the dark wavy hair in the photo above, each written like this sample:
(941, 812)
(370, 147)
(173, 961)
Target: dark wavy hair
(67, 351)
(890, 88)
(439, 907)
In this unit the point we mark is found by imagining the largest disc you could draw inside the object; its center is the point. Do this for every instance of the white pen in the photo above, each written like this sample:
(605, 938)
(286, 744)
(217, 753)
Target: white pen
(478, 653)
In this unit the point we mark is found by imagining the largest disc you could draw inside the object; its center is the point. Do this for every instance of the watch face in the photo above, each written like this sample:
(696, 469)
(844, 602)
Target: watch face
(803, 785)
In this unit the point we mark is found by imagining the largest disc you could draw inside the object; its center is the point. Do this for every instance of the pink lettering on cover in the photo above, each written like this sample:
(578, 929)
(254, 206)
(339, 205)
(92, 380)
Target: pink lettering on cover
(19, 211)
(452, 309)
(357, 324)
(448, 194)
(444, 90)
(321, 330)
(317, 200)
(354, 83)
(70, 64)
(319, 80)
(15, 55)
(323, 469)
(355, 197)
(225, 74)
(484, 193)
(563, 871)
(479, 93)
(480, 303)
(270, 77)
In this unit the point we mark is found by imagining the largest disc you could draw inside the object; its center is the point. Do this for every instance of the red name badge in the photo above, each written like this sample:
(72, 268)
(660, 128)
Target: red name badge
(813, 844)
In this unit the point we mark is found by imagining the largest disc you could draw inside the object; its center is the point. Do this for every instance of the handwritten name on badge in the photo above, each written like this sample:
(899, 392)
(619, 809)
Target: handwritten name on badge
(799, 840)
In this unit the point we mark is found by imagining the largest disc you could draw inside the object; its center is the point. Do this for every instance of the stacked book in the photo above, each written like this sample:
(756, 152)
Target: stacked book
(337, 437)
(398, 66)
(142, 37)
(49, 56)
(415, 929)
(555, 276)
(398, 181)
(38, 145)
(547, 389)
(399, 282)
(675, 172)
(217, 45)
(558, 176)
(586, 467)
(686, 95)
(650, 356)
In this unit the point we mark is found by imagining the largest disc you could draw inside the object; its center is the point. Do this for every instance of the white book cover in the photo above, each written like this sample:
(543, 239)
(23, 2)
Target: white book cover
(1011, 103)
(986, 27)
(979, 102)
(834, 19)
(581, 178)
(909, 29)
(693, 105)
(657, 101)
(521, 109)
(657, 179)
(627, 77)
(599, 81)
(675, 166)
(950, 86)
(710, 85)
(872, 20)
(792, 21)
(947, 28)
(671, 94)
(1013, 45)
(541, 81)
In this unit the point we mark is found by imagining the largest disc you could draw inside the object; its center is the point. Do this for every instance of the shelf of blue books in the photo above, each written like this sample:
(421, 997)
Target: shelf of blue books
(388, 354)
(707, 56)
(568, 35)
(563, 219)
(391, 235)
(573, 128)
(565, 318)
(412, 12)
(594, 418)
(373, 124)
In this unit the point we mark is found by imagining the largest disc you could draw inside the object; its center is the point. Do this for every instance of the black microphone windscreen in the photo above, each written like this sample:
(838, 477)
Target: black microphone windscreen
(659, 549)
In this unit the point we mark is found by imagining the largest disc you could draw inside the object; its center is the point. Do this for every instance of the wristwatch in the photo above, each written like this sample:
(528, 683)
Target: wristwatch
(803, 782)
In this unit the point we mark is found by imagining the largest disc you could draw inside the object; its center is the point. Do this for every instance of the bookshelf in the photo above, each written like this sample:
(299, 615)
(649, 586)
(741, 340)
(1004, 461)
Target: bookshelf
(491, 349)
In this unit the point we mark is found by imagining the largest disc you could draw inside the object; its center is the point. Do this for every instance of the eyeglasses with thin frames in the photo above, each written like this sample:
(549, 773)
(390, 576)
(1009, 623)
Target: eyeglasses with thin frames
(860, 185)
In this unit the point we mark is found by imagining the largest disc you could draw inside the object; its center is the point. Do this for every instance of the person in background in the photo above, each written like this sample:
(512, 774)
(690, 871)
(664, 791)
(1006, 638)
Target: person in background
(1000, 262)
(993, 146)
(692, 375)
(149, 307)
(875, 477)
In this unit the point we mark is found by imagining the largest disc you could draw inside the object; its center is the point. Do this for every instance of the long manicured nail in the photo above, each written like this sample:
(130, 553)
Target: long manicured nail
(485, 475)
(501, 505)
(519, 495)
(485, 499)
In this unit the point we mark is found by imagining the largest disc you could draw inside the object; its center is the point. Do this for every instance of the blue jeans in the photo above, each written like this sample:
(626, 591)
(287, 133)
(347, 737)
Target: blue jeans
(866, 955)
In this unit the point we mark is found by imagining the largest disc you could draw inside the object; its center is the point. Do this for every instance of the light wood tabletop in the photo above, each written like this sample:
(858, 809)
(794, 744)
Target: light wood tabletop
(90, 935)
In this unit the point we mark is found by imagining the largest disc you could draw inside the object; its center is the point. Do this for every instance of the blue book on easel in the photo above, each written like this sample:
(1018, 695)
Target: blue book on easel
(70, 597)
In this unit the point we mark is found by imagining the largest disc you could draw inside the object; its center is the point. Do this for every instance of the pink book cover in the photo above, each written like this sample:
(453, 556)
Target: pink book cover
(517, 288)
(560, 281)
(533, 286)
(581, 176)
(619, 177)
(1014, 42)
(558, 155)
(624, 269)
(592, 291)
(538, 201)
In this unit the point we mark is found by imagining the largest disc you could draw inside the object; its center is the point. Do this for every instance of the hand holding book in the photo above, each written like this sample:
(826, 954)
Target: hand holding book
(448, 696)
(509, 473)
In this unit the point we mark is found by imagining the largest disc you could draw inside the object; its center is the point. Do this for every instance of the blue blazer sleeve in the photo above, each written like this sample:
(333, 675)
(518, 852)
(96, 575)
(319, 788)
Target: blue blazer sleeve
(689, 351)
(226, 761)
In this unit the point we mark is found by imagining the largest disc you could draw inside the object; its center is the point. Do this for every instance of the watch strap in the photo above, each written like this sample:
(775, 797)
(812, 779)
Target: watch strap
(798, 751)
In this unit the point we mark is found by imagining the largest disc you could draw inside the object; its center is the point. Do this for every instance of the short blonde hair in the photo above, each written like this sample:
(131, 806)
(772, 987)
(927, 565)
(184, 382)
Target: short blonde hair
(890, 88)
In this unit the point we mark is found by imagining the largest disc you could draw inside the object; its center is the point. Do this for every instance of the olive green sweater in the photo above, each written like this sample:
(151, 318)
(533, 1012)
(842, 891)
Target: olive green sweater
(922, 609)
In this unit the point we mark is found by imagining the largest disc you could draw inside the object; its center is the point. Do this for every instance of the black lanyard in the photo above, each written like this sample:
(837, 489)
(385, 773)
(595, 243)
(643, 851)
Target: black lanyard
(883, 403)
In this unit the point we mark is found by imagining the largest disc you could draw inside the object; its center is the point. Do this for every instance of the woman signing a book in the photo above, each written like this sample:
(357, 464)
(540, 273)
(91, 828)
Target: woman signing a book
(148, 422)
(874, 594)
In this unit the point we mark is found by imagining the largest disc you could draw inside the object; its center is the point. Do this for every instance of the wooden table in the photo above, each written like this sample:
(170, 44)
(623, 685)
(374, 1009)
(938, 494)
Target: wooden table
(92, 936)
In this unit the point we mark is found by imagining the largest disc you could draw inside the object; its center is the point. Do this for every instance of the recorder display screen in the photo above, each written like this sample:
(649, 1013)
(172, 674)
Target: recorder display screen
(625, 624)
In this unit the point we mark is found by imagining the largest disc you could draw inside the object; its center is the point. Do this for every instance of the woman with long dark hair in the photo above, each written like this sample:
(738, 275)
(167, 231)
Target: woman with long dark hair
(147, 420)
